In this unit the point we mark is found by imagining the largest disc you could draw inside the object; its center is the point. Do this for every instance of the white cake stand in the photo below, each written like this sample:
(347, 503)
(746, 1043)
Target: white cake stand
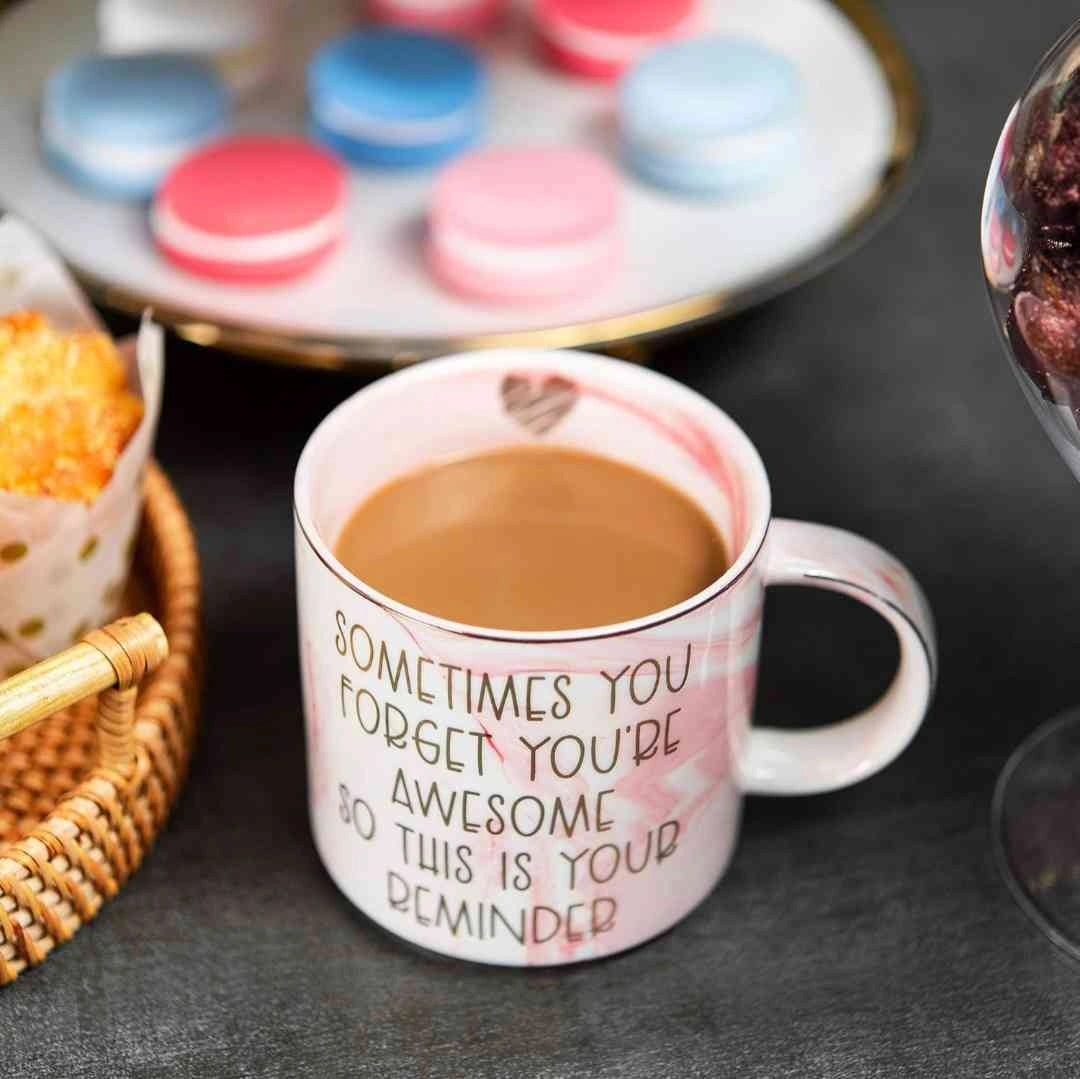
(374, 303)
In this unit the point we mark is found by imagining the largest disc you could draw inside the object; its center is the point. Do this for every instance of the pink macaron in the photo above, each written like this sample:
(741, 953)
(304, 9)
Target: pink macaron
(601, 38)
(525, 225)
(459, 17)
(251, 209)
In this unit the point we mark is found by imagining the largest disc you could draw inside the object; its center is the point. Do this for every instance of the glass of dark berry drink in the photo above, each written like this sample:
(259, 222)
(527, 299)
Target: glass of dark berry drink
(1030, 232)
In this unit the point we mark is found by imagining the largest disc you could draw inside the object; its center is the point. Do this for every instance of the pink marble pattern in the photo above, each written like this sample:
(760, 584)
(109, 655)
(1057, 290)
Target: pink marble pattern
(616, 804)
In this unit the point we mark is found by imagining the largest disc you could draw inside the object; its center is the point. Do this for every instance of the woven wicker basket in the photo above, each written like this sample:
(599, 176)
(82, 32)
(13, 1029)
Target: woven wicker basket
(86, 789)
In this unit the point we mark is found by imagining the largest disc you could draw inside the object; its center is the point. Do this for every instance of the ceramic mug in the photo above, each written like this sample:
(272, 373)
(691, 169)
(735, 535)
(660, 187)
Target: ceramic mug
(540, 798)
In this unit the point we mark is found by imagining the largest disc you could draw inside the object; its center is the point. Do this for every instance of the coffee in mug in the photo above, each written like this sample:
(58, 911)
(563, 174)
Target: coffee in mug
(533, 538)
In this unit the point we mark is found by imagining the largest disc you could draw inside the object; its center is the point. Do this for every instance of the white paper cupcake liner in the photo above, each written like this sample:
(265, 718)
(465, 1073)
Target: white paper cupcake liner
(64, 565)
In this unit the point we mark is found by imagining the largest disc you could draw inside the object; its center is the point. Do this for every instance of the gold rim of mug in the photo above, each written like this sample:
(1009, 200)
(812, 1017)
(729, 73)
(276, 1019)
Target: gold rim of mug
(604, 632)
(623, 335)
(551, 361)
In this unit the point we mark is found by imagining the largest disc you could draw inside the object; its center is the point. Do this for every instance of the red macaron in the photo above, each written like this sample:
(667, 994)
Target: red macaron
(251, 209)
(464, 17)
(601, 38)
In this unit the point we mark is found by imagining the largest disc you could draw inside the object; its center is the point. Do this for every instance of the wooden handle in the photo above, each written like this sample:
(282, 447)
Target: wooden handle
(110, 661)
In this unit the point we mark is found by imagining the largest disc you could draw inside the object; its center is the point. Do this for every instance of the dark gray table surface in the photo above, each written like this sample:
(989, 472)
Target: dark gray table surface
(864, 933)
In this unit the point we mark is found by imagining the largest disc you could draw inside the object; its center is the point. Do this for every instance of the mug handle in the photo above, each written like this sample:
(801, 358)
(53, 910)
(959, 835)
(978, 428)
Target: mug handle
(839, 754)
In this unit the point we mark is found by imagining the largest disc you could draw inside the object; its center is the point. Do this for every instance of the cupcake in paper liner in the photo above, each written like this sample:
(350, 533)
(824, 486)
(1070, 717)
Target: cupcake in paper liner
(77, 425)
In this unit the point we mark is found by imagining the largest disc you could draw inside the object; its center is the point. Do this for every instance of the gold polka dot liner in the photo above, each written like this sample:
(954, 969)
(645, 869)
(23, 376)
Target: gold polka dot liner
(12, 552)
(64, 561)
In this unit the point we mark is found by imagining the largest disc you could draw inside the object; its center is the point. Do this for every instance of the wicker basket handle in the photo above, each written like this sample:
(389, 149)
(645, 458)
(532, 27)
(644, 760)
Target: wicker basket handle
(110, 661)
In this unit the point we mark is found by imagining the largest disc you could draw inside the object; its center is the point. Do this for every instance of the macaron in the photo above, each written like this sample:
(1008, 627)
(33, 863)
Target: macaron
(460, 17)
(251, 209)
(718, 116)
(516, 225)
(601, 38)
(241, 37)
(115, 125)
(393, 97)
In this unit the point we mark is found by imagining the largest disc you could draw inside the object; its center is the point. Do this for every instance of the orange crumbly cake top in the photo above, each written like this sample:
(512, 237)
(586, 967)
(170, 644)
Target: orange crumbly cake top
(66, 412)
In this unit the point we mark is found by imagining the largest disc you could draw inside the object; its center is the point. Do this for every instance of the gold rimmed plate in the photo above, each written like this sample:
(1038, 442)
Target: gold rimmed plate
(373, 305)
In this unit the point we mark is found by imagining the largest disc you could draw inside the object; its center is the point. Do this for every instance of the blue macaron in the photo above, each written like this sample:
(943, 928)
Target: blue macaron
(115, 125)
(396, 97)
(718, 116)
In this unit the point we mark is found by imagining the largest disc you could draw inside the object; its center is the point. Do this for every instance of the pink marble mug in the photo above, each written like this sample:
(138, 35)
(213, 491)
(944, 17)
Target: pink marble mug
(543, 798)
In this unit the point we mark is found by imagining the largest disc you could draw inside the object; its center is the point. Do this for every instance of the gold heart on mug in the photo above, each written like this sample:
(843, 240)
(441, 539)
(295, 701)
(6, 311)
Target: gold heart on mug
(538, 406)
